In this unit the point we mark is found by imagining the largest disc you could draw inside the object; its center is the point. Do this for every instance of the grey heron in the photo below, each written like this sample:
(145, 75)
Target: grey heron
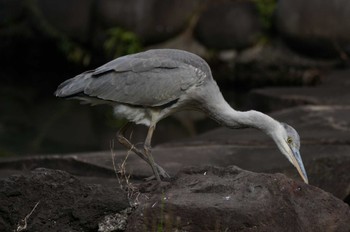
(148, 86)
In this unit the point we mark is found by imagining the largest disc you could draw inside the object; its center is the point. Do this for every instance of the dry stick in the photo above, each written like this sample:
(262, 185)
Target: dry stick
(114, 166)
(122, 167)
(121, 170)
(22, 225)
(122, 176)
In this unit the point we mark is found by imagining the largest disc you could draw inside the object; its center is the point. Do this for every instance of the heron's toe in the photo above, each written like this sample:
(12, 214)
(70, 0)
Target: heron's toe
(162, 172)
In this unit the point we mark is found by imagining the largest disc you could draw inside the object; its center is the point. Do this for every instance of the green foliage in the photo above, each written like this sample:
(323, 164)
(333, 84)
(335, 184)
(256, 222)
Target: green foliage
(34, 24)
(266, 10)
(74, 52)
(5, 153)
(120, 42)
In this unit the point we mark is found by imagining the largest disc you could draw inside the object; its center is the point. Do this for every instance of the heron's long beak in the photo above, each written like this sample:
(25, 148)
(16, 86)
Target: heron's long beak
(298, 163)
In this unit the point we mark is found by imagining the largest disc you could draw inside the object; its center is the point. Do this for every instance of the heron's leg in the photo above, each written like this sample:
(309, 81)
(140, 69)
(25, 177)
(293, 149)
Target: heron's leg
(147, 148)
(125, 142)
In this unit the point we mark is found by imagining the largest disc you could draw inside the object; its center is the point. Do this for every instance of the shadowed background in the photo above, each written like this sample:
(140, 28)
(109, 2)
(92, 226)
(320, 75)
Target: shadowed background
(248, 44)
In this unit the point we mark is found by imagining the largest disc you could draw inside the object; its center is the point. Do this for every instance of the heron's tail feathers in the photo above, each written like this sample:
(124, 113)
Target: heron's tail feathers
(73, 86)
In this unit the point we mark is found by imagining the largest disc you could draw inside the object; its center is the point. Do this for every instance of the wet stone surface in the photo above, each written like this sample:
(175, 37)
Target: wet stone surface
(52, 200)
(232, 199)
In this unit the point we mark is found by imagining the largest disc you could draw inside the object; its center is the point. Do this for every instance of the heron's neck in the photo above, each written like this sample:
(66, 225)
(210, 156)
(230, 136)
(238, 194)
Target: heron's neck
(224, 114)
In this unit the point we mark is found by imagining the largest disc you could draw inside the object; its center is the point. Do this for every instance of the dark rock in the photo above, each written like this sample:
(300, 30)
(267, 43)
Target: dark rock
(278, 98)
(115, 222)
(227, 25)
(330, 173)
(274, 64)
(274, 98)
(324, 124)
(333, 90)
(231, 199)
(314, 27)
(277, 54)
(152, 21)
(264, 157)
(63, 202)
(72, 18)
(67, 163)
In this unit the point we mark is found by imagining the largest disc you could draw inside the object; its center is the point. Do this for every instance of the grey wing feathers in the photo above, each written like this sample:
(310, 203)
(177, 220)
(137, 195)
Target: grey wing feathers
(74, 85)
(136, 65)
(153, 87)
(139, 79)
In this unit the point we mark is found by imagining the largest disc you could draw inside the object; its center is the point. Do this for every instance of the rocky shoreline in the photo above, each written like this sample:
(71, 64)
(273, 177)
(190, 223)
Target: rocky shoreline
(284, 58)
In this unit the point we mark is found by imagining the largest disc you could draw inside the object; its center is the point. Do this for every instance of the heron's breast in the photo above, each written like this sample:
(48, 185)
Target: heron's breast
(138, 115)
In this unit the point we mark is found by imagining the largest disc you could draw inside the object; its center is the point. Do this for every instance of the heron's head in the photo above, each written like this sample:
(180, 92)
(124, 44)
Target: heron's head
(288, 142)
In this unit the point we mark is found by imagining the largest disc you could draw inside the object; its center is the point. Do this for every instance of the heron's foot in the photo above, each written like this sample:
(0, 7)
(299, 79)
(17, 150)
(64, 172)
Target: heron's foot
(163, 177)
(151, 162)
(162, 172)
(146, 155)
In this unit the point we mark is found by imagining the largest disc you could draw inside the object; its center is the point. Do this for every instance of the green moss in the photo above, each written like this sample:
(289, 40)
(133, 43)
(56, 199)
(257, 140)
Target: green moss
(120, 42)
(266, 9)
(33, 24)
(73, 51)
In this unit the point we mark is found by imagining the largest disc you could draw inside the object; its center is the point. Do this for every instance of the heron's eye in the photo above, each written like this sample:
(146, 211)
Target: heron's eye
(289, 140)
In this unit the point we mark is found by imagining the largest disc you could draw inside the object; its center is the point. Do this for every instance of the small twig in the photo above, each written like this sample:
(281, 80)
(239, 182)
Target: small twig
(113, 162)
(22, 225)
(124, 178)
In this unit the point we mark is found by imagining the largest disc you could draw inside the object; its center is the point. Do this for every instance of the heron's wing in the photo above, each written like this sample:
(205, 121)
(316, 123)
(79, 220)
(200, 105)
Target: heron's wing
(139, 81)
(131, 63)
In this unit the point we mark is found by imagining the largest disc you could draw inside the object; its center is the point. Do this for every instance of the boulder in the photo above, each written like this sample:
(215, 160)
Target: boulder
(152, 21)
(232, 199)
(51, 200)
(274, 64)
(318, 28)
(228, 25)
(316, 125)
(332, 90)
(253, 157)
(330, 173)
